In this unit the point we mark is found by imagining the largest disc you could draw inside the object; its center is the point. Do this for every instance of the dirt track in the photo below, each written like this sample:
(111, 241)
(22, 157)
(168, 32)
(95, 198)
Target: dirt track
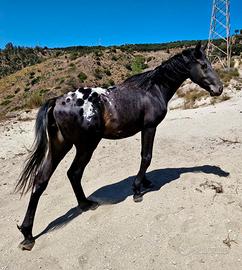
(182, 224)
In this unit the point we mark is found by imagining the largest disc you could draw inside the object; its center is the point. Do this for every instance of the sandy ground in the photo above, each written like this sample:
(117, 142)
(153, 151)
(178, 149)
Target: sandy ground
(191, 220)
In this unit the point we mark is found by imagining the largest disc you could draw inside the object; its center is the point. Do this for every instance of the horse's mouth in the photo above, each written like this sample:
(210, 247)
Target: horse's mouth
(214, 94)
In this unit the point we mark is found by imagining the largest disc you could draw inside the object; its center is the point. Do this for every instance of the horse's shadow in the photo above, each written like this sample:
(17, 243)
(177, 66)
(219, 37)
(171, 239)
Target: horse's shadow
(118, 192)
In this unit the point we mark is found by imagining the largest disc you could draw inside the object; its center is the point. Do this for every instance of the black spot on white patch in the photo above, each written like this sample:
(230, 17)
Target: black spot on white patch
(68, 100)
(87, 93)
(95, 95)
(73, 94)
(79, 102)
(63, 103)
(81, 90)
(81, 112)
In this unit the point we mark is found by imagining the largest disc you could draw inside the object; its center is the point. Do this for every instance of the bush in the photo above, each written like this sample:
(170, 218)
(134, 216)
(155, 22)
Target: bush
(62, 80)
(107, 72)
(138, 64)
(114, 58)
(74, 55)
(111, 82)
(31, 75)
(5, 102)
(128, 66)
(82, 76)
(98, 53)
(35, 80)
(98, 74)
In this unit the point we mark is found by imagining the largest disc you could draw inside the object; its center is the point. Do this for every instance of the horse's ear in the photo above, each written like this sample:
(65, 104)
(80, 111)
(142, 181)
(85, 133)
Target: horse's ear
(198, 52)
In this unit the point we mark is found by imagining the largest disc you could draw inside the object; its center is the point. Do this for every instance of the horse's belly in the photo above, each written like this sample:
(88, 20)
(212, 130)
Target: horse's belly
(119, 133)
(118, 125)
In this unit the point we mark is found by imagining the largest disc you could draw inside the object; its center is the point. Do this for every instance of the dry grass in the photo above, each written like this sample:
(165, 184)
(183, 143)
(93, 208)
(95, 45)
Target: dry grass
(219, 99)
(226, 76)
(34, 100)
(190, 97)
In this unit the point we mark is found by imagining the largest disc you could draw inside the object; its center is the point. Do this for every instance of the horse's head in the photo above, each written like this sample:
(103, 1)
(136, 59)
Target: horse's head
(202, 73)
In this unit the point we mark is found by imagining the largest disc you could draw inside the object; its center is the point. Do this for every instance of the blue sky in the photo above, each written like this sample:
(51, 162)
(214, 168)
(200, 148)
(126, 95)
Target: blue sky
(62, 23)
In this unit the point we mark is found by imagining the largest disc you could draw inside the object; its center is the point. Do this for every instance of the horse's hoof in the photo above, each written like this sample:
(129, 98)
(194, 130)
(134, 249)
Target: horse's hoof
(138, 198)
(27, 244)
(88, 205)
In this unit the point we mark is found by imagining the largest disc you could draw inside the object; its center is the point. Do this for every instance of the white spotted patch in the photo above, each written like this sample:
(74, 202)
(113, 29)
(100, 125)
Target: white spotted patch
(88, 109)
(99, 90)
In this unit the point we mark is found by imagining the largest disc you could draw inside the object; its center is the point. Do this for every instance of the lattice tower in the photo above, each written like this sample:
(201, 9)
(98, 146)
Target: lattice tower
(219, 43)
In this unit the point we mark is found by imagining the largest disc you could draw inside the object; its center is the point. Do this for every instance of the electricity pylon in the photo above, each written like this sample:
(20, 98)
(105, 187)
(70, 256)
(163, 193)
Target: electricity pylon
(219, 33)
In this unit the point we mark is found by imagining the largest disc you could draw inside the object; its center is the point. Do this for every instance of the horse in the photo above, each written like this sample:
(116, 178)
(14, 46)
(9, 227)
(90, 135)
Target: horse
(84, 116)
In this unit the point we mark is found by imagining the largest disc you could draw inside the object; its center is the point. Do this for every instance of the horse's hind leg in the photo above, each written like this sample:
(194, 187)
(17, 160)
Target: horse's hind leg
(83, 155)
(148, 136)
(55, 155)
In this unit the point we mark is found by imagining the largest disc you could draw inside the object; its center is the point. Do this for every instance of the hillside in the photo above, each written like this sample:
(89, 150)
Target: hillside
(44, 73)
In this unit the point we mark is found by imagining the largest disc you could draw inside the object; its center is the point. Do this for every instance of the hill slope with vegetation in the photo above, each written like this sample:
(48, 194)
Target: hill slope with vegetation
(28, 76)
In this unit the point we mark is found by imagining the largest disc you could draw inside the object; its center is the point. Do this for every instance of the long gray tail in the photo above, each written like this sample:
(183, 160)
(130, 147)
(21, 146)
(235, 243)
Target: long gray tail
(27, 179)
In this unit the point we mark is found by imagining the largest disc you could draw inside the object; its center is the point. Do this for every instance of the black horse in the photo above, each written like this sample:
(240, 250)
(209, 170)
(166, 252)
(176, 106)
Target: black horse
(82, 118)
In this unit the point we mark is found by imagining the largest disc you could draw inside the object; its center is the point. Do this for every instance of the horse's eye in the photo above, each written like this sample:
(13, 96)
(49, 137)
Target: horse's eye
(204, 66)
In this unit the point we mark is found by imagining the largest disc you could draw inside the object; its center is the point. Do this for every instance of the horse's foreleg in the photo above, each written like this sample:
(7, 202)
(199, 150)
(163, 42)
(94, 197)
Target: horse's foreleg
(83, 156)
(43, 176)
(147, 141)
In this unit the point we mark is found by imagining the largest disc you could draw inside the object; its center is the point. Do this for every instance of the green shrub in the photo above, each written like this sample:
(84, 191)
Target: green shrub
(5, 102)
(114, 58)
(58, 53)
(9, 96)
(35, 80)
(31, 75)
(111, 82)
(138, 64)
(107, 72)
(72, 65)
(74, 55)
(62, 80)
(128, 66)
(98, 53)
(98, 74)
(82, 76)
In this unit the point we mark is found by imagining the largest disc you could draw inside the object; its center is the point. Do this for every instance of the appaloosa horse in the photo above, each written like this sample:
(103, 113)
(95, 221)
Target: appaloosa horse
(85, 116)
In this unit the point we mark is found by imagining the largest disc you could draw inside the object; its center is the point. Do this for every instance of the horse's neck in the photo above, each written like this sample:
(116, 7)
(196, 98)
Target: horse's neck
(172, 74)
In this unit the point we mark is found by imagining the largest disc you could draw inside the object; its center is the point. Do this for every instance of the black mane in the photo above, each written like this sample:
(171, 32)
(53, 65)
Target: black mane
(175, 66)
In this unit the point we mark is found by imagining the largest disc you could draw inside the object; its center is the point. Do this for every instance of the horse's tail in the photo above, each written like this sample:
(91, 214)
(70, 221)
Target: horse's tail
(27, 179)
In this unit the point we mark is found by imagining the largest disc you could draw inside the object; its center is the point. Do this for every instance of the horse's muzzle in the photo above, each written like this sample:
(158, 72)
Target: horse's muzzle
(218, 92)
